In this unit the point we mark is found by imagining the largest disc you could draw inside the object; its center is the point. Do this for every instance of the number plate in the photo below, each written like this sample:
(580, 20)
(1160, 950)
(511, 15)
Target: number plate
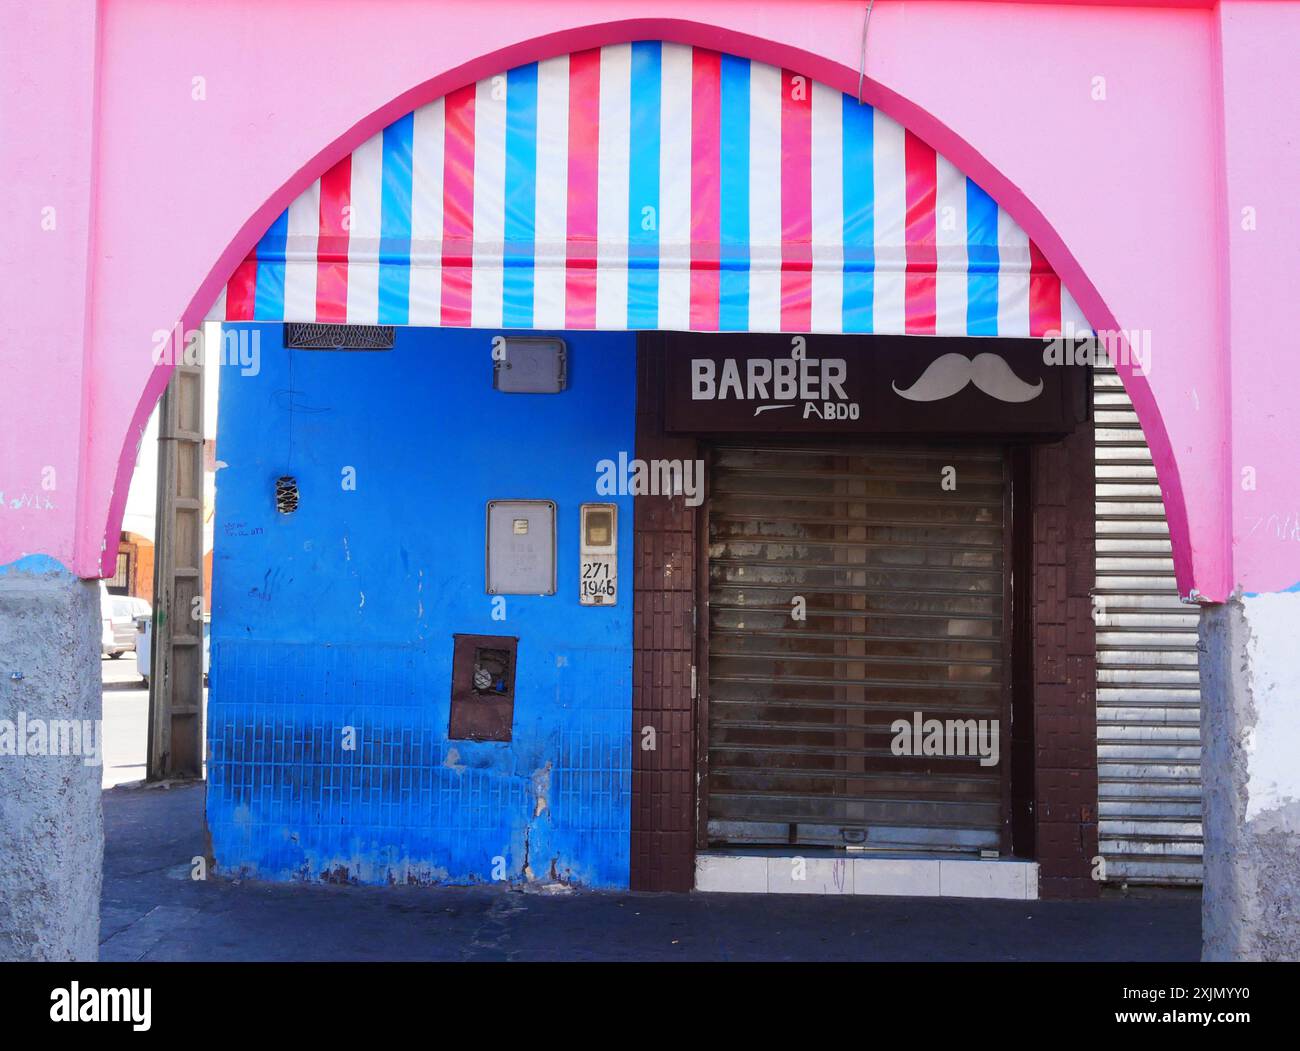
(598, 585)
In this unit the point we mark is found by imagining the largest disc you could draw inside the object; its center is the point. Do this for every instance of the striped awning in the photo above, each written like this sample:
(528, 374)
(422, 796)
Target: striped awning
(650, 186)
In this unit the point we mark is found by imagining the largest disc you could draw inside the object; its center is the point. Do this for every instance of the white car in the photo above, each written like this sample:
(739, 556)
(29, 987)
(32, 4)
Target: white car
(117, 617)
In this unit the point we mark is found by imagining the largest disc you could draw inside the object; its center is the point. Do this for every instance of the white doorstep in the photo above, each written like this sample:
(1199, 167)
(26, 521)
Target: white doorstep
(1005, 879)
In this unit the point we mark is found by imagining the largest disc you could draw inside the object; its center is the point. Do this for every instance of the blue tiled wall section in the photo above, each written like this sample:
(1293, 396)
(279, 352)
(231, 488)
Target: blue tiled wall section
(332, 627)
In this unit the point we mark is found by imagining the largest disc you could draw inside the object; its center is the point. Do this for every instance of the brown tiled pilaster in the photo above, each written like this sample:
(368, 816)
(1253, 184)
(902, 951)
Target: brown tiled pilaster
(663, 780)
(1064, 666)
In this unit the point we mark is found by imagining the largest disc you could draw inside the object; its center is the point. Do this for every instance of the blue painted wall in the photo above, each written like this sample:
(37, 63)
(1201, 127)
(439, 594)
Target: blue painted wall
(342, 614)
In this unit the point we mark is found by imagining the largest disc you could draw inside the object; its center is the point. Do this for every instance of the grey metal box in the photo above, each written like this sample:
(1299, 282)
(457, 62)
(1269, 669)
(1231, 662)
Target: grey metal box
(529, 365)
(521, 547)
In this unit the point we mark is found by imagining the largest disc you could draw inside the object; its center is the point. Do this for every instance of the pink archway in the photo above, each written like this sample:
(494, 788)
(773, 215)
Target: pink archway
(1136, 141)
(189, 142)
(818, 67)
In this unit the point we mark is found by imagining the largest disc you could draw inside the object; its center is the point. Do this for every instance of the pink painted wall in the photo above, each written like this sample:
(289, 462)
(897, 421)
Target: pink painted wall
(47, 166)
(1131, 197)
(1261, 127)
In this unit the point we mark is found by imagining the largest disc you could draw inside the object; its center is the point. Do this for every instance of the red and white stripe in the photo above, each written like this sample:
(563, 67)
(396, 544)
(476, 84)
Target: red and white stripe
(580, 253)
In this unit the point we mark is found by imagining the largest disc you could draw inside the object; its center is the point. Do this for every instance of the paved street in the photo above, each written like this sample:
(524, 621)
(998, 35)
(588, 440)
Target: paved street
(153, 910)
(126, 720)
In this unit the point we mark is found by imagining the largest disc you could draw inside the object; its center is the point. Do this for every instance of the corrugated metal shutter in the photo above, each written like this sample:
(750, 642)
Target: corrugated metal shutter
(1148, 680)
(905, 587)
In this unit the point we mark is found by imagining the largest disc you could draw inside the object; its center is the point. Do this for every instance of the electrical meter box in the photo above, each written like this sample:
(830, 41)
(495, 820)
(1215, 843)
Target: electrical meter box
(598, 576)
(529, 365)
(521, 547)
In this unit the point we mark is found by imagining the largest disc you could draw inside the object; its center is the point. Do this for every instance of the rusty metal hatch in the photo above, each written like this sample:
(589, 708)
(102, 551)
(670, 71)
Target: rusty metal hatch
(483, 688)
(907, 592)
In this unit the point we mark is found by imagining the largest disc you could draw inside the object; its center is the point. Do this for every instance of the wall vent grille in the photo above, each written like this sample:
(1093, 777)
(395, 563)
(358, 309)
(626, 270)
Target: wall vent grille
(304, 336)
(286, 494)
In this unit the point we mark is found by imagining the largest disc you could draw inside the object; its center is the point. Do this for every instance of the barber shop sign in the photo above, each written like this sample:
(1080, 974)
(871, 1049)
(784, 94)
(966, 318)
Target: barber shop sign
(843, 384)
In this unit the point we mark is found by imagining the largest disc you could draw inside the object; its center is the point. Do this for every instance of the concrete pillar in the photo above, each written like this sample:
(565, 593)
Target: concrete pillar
(51, 821)
(1250, 767)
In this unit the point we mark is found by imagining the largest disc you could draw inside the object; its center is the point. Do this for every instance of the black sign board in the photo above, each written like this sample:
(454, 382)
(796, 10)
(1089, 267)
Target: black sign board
(868, 384)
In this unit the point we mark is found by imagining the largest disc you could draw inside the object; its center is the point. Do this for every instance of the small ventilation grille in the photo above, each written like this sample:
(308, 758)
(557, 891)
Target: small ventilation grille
(302, 336)
(286, 494)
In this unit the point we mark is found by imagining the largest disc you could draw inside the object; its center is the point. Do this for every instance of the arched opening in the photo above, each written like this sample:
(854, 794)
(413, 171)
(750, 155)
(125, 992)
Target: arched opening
(661, 284)
(946, 141)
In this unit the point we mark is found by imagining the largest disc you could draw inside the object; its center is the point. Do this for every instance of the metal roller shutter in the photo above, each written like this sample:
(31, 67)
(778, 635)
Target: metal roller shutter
(1148, 681)
(905, 587)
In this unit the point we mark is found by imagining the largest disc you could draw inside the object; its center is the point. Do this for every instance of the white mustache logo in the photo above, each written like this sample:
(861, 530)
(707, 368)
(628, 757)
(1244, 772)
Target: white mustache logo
(950, 373)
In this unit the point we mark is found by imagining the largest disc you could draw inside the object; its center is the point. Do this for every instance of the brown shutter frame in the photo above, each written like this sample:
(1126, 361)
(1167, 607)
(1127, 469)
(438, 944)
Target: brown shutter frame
(1060, 667)
(1064, 666)
(663, 654)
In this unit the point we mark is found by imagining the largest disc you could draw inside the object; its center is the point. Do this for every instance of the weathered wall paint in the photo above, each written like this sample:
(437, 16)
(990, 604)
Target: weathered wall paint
(1157, 118)
(51, 825)
(1250, 907)
(1274, 743)
(342, 614)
